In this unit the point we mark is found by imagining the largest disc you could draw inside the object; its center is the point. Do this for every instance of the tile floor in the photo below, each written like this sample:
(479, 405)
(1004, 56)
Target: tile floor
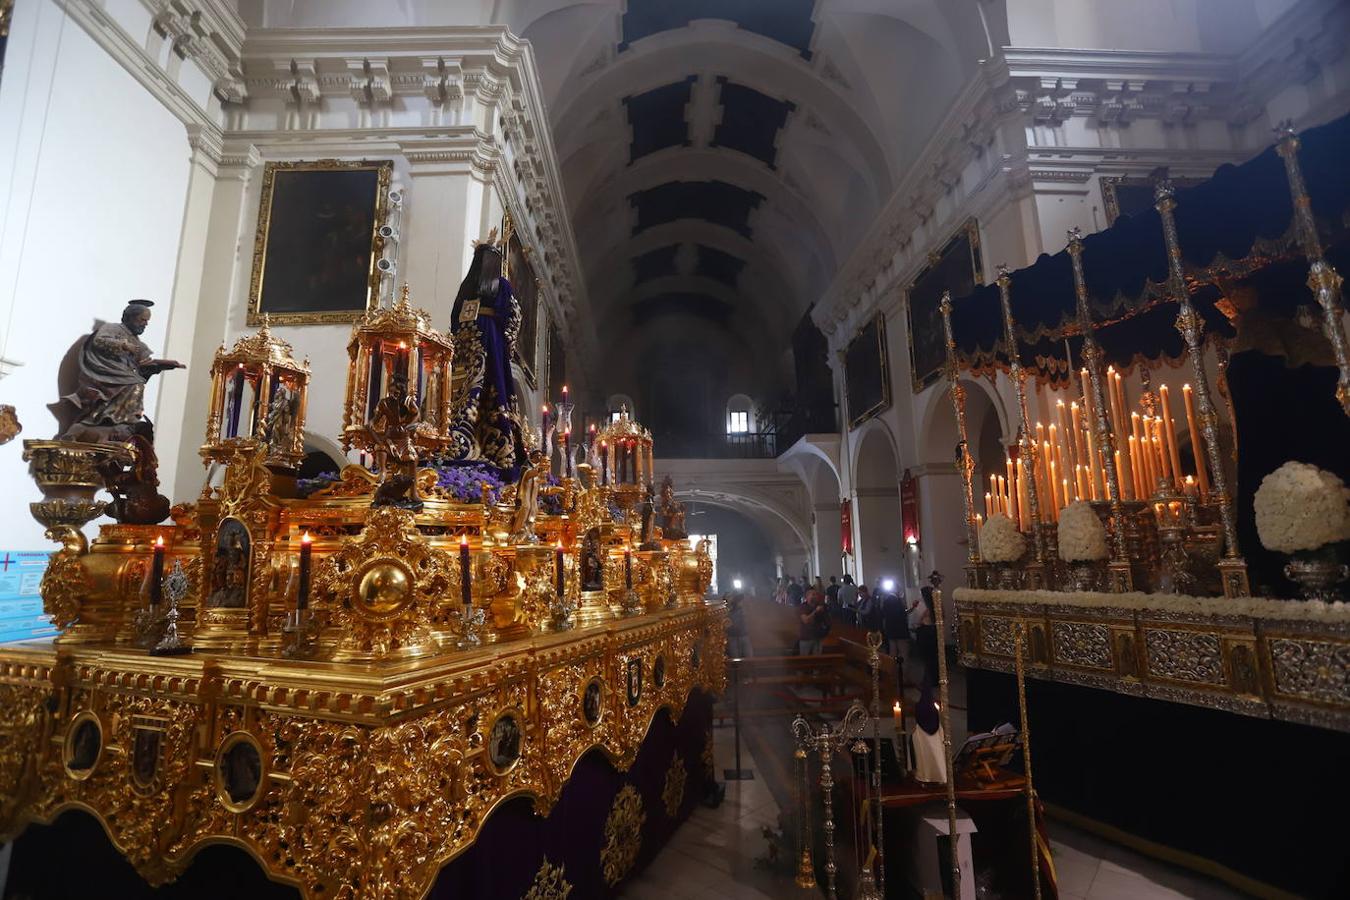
(713, 855)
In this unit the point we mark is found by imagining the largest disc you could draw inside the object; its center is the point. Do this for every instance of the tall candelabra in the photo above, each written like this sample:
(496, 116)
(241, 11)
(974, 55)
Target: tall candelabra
(1098, 423)
(1026, 452)
(945, 717)
(826, 742)
(964, 461)
(1232, 567)
(1323, 280)
(1019, 650)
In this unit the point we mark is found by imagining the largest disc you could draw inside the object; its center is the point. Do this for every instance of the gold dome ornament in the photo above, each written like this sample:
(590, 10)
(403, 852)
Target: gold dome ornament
(383, 587)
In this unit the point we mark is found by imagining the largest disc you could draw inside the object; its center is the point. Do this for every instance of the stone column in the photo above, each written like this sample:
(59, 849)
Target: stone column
(214, 234)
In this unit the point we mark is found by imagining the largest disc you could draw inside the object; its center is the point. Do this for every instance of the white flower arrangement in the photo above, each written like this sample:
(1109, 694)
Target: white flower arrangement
(1301, 507)
(1081, 535)
(1000, 541)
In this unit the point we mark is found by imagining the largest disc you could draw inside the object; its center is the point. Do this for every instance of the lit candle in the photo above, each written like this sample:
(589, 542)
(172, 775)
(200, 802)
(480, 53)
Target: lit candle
(1065, 493)
(1170, 432)
(302, 588)
(1012, 484)
(558, 567)
(1076, 421)
(1081, 477)
(993, 489)
(604, 462)
(1189, 486)
(898, 714)
(1094, 466)
(466, 571)
(564, 394)
(1068, 427)
(1046, 494)
(157, 571)
(543, 425)
(1054, 489)
(1087, 392)
(1014, 492)
(1134, 467)
(1197, 441)
(1023, 505)
(1121, 477)
(1003, 496)
(988, 503)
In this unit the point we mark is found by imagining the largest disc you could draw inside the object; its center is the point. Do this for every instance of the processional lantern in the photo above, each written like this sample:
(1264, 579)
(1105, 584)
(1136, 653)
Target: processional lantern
(626, 458)
(258, 396)
(392, 344)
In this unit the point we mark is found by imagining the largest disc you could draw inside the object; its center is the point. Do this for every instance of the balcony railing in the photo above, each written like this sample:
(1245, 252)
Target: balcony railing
(744, 445)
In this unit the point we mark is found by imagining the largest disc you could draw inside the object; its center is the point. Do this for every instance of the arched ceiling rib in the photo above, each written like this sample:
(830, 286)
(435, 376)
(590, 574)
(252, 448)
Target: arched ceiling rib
(721, 157)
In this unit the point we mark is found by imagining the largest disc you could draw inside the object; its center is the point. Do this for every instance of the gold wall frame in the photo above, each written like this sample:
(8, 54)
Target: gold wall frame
(929, 316)
(883, 402)
(315, 313)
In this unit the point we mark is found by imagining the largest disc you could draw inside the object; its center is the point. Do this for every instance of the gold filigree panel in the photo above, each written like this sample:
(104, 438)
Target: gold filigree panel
(672, 794)
(623, 835)
(1082, 644)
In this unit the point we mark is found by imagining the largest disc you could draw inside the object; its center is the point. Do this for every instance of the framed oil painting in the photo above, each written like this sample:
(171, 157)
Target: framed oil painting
(317, 243)
(866, 379)
(955, 267)
(520, 272)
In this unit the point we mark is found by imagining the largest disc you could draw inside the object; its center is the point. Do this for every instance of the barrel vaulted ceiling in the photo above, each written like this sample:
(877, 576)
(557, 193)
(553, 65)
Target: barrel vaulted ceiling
(722, 157)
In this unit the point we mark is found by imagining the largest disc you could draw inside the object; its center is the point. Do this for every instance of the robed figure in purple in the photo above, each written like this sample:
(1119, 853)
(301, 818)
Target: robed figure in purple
(485, 320)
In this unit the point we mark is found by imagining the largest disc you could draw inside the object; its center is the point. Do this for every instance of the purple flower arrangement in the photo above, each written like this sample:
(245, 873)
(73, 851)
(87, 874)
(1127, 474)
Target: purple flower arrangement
(464, 483)
(307, 486)
(551, 504)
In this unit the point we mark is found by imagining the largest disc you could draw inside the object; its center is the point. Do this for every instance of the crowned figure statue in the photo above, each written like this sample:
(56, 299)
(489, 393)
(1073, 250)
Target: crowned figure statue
(485, 425)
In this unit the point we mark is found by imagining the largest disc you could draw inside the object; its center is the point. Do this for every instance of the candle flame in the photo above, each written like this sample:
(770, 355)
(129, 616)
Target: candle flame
(306, 539)
(159, 541)
(1061, 402)
(463, 541)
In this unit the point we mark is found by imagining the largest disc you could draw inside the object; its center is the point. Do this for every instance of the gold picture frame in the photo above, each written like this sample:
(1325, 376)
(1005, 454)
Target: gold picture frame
(856, 355)
(343, 211)
(926, 337)
(224, 773)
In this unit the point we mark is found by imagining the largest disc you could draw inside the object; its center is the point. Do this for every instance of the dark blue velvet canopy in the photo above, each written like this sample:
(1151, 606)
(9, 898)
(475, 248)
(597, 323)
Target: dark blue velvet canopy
(1238, 224)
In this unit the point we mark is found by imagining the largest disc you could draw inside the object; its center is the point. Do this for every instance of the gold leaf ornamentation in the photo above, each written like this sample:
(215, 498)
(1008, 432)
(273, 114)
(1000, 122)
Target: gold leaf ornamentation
(672, 795)
(623, 835)
(549, 883)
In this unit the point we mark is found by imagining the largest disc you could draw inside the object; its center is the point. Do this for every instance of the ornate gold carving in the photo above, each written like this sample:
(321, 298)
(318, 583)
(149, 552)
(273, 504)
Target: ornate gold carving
(672, 795)
(549, 883)
(354, 481)
(623, 835)
(383, 591)
(64, 585)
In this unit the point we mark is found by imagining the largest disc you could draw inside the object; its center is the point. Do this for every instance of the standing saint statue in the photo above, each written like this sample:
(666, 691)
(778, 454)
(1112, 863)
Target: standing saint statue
(486, 406)
(391, 430)
(114, 366)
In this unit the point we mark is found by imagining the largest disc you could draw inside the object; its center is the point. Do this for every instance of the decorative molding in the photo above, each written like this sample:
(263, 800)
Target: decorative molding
(1014, 95)
(444, 76)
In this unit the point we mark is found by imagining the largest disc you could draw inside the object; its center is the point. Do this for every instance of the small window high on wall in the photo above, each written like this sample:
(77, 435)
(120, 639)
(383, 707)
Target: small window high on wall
(738, 414)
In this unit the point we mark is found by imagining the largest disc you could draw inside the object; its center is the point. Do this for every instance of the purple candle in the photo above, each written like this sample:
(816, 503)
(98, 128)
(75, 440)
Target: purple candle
(558, 563)
(466, 570)
(157, 572)
(302, 591)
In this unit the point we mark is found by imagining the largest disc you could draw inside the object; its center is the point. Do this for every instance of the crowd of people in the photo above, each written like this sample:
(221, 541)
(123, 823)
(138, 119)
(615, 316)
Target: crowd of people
(907, 626)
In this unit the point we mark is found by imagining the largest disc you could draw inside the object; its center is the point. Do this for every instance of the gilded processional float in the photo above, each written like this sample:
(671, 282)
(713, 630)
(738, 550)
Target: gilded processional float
(347, 676)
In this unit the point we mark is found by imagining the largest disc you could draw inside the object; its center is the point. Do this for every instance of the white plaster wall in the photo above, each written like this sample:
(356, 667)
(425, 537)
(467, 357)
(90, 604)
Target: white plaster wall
(95, 176)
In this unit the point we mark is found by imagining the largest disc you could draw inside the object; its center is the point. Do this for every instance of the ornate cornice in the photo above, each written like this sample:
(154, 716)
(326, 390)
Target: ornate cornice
(443, 77)
(985, 140)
